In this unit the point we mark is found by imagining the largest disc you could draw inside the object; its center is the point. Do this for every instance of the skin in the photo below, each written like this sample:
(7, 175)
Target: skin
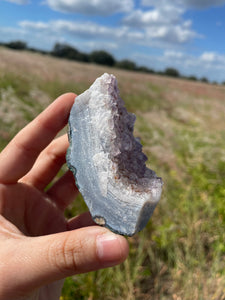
(38, 246)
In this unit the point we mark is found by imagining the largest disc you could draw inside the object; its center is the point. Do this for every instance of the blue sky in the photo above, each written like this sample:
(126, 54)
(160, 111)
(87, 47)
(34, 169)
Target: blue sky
(188, 35)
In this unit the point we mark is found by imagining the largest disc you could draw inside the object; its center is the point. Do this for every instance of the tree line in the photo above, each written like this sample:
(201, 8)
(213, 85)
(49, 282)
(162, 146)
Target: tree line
(100, 57)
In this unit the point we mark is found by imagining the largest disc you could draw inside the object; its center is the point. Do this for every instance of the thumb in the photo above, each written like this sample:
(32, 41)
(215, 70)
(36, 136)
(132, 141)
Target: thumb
(53, 257)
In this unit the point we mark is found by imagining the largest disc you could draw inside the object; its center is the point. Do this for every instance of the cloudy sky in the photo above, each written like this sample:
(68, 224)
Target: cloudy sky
(188, 35)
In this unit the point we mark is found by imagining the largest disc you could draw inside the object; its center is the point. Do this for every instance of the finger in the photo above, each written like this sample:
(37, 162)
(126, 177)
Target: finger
(48, 163)
(64, 191)
(83, 220)
(50, 258)
(19, 156)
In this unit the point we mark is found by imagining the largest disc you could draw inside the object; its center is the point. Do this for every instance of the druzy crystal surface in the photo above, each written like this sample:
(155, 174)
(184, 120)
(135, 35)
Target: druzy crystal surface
(107, 160)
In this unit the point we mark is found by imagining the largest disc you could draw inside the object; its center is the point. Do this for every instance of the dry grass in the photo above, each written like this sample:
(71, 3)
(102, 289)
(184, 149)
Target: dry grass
(181, 253)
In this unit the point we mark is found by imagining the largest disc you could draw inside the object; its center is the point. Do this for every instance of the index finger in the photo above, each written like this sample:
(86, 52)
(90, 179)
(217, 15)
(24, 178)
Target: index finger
(20, 154)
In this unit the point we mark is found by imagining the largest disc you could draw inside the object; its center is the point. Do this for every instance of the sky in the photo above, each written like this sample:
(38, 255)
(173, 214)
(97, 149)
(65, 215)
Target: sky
(188, 35)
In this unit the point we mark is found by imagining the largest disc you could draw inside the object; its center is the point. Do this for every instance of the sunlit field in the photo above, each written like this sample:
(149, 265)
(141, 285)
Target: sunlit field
(180, 255)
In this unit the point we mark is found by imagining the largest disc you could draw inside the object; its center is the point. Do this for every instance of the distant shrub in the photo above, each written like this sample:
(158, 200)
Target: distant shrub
(126, 64)
(69, 52)
(37, 50)
(102, 57)
(192, 77)
(145, 70)
(204, 79)
(18, 45)
(172, 72)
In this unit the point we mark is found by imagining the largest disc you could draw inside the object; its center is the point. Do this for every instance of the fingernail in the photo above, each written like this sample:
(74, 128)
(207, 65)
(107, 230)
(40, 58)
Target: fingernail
(109, 248)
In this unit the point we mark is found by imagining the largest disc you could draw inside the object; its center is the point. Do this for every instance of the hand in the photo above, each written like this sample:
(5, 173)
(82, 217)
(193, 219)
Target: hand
(38, 246)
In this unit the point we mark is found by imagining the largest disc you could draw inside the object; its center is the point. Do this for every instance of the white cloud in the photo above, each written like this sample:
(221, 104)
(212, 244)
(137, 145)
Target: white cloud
(33, 25)
(8, 33)
(34, 38)
(174, 54)
(172, 35)
(200, 4)
(85, 36)
(139, 18)
(91, 7)
(208, 64)
(208, 56)
(22, 2)
(164, 24)
(88, 46)
(84, 30)
(212, 58)
(154, 35)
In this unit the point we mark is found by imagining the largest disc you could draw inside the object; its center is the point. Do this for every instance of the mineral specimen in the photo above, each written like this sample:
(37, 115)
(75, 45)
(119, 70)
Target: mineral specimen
(107, 160)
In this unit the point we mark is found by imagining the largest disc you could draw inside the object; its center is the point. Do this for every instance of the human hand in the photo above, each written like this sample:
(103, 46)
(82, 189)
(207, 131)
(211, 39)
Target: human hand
(38, 246)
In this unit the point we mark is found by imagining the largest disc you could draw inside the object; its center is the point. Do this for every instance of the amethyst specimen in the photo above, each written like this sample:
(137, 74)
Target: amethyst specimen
(107, 160)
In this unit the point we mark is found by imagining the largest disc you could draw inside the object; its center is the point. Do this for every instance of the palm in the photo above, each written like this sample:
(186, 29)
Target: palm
(33, 212)
(38, 246)
(33, 215)
(25, 207)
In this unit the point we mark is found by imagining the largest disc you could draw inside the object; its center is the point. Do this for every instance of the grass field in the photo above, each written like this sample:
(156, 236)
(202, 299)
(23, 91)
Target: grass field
(180, 255)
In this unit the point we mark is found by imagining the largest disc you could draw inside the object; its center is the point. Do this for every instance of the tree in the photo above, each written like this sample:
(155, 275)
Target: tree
(172, 72)
(18, 45)
(192, 77)
(102, 57)
(145, 69)
(64, 50)
(204, 79)
(126, 64)
(69, 52)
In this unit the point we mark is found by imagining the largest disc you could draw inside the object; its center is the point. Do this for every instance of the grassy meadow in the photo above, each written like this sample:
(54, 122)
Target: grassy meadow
(180, 255)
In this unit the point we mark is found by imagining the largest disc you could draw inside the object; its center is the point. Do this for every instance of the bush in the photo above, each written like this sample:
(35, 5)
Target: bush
(126, 64)
(145, 70)
(172, 72)
(204, 79)
(192, 77)
(18, 45)
(67, 51)
(102, 57)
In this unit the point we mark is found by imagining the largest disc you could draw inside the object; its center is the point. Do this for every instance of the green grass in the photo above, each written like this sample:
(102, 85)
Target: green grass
(181, 252)
(144, 98)
(55, 87)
